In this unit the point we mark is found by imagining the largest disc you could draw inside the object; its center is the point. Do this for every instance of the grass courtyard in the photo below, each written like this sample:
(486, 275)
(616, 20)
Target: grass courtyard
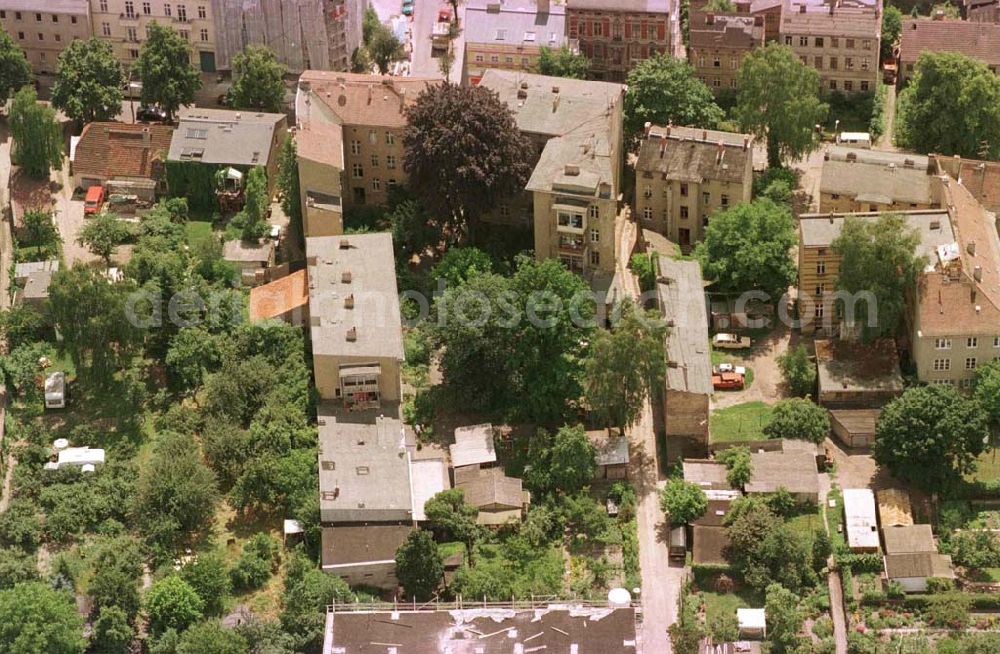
(742, 422)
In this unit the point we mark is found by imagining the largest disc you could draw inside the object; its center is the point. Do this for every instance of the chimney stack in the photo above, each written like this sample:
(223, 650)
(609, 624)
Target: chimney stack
(977, 273)
(704, 135)
(746, 143)
(710, 18)
(720, 150)
(971, 248)
(646, 129)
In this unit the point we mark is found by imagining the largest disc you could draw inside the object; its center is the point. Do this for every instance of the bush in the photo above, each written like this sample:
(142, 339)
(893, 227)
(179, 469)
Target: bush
(256, 564)
(762, 181)
(644, 267)
(798, 371)
(876, 126)
(871, 563)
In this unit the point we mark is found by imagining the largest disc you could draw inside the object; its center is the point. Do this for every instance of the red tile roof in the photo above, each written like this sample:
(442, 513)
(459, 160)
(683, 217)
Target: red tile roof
(978, 40)
(279, 297)
(109, 150)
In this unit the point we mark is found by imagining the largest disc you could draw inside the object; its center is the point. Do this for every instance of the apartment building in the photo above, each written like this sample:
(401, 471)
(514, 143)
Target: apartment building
(510, 34)
(617, 34)
(44, 29)
(355, 323)
(839, 38)
(981, 178)
(684, 174)
(819, 264)
(859, 180)
(717, 45)
(304, 34)
(575, 186)
(981, 11)
(125, 24)
(979, 40)
(353, 123)
(955, 323)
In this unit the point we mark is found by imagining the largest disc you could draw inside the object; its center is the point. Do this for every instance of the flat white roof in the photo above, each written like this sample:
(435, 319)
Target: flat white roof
(428, 477)
(80, 456)
(473, 445)
(859, 518)
(751, 618)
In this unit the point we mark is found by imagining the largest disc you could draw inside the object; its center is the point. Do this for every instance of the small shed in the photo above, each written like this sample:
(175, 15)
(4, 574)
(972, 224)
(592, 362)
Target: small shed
(254, 260)
(908, 540)
(85, 458)
(913, 570)
(860, 520)
(473, 446)
(36, 288)
(752, 623)
(854, 427)
(855, 139)
(55, 390)
(612, 454)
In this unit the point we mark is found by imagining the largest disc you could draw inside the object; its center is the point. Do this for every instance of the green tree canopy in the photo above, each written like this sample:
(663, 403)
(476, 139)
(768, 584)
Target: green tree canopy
(172, 604)
(626, 365)
(682, 501)
(764, 549)
(419, 566)
(663, 89)
(164, 66)
(258, 80)
(748, 247)
(308, 591)
(290, 189)
(35, 619)
(208, 575)
(798, 370)
(463, 152)
(987, 392)
(89, 81)
(15, 71)
(878, 258)
(40, 231)
(252, 219)
(930, 436)
(385, 49)
(103, 234)
(892, 26)
(93, 319)
(563, 62)
(113, 633)
(513, 345)
(950, 106)
(800, 419)
(210, 637)
(739, 465)
(37, 139)
(459, 264)
(561, 462)
(448, 512)
(778, 100)
(784, 619)
(177, 492)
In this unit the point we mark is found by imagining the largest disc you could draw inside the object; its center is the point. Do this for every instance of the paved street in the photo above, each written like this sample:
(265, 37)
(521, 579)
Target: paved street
(424, 64)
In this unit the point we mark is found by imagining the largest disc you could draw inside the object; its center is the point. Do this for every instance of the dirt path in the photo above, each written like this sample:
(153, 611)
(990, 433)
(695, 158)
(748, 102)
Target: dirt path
(767, 381)
(885, 141)
(7, 478)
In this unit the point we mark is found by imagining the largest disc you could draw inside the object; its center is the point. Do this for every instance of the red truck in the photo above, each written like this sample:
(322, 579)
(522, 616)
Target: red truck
(94, 201)
(723, 381)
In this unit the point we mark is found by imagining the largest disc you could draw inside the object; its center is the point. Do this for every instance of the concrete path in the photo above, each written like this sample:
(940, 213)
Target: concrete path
(885, 141)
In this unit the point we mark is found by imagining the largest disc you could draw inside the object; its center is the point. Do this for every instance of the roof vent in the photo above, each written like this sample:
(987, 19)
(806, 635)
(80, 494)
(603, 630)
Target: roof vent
(571, 170)
(345, 244)
(852, 156)
(671, 364)
(908, 163)
(971, 248)
(935, 224)
(352, 334)
(522, 94)
(345, 277)
(977, 273)
(349, 301)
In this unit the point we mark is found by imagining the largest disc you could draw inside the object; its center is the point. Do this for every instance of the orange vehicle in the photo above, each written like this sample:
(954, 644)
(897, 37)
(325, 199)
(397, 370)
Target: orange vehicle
(727, 381)
(94, 201)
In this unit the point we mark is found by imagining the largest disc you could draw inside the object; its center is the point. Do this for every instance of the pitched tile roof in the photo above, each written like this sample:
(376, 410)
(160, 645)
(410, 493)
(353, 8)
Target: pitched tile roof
(220, 136)
(908, 539)
(358, 99)
(875, 176)
(485, 487)
(280, 296)
(725, 30)
(109, 149)
(918, 564)
(693, 155)
(978, 40)
(681, 296)
(516, 22)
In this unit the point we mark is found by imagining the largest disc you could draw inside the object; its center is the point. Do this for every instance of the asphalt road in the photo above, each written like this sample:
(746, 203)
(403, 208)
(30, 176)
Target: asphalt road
(424, 63)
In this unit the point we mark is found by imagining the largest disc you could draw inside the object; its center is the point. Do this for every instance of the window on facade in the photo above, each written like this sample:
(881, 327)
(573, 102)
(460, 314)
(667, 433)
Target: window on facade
(724, 200)
(390, 161)
(504, 211)
(72, 19)
(866, 44)
(820, 289)
(106, 29)
(701, 61)
(865, 63)
(706, 198)
(479, 58)
(788, 40)
(684, 190)
(734, 63)
(20, 35)
(818, 62)
(204, 34)
(202, 14)
(835, 41)
(647, 213)
(803, 41)
(996, 341)
(494, 59)
(942, 365)
(849, 44)
(820, 310)
(942, 343)
(182, 13)
(970, 363)
(166, 10)
(133, 53)
(129, 9)
(598, 28)
(186, 35)
(864, 87)
(819, 41)
(373, 137)
(357, 170)
(833, 85)
(972, 342)
(376, 184)
(131, 34)
(595, 258)
(716, 63)
(684, 212)
(38, 18)
(147, 8)
(390, 138)
(820, 267)
(55, 18)
(17, 14)
(833, 63)
(525, 62)
(848, 85)
(355, 147)
(595, 235)
(570, 220)
(374, 161)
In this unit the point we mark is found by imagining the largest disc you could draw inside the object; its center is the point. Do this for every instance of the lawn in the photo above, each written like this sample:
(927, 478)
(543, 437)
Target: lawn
(742, 422)
(988, 467)
(718, 603)
(197, 231)
(835, 518)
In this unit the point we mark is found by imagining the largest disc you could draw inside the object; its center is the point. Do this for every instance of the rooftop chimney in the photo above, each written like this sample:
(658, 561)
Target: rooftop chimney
(710, 18)
(345, 244)
(345, 277)
(647, 128)
(977, 273)
(704, 135)
(746, 143)
(349, 301)
(720, 150)
(352, 334)
(971, 248)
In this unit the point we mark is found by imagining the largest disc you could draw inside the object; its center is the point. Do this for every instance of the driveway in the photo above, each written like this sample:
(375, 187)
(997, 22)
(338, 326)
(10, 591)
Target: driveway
(424, 64)
(767, 383)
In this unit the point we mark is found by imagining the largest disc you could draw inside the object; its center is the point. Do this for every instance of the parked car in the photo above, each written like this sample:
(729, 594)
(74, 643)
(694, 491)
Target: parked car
(727, 381)
(407, 10)
(730, 342)
(94, 201)
(728, 367)
(151, 113)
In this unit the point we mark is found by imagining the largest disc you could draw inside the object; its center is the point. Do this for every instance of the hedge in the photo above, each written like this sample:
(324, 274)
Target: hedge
(859, 562)
(919, 601)
(195, 181)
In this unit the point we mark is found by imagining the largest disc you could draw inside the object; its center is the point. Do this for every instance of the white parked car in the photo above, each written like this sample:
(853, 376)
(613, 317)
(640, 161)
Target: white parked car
(728, 367)
(730, 342)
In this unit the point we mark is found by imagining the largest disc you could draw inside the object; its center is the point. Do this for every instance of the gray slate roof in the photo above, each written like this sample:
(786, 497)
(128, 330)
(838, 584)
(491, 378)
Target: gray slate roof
(876, 176)
(515, 22)
(239, 138)
(793, 470)
(933, 226)
(651, 6)
(681, 293)
(372, 282)
(692, 155)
